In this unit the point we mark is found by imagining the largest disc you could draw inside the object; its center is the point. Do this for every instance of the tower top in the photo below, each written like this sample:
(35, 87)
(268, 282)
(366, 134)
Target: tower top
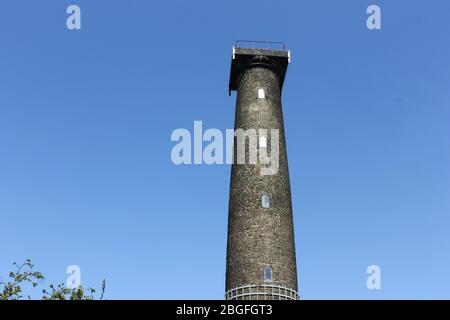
(247, 54)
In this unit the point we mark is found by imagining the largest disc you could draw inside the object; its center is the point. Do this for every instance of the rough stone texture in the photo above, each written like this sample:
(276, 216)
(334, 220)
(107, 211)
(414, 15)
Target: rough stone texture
(259, 237)
(279, 60)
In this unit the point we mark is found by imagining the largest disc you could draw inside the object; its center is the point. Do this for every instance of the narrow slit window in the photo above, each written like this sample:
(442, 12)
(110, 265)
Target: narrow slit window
(265, 201)
(261, 94)
(268, 274)
(262, 142)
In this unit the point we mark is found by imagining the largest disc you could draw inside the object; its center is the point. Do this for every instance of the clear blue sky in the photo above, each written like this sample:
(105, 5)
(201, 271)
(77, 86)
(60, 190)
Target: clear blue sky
(86, 117)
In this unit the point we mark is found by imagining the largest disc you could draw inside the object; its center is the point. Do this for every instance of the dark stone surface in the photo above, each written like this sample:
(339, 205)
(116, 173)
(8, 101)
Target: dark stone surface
(244, 58)
(257, 236)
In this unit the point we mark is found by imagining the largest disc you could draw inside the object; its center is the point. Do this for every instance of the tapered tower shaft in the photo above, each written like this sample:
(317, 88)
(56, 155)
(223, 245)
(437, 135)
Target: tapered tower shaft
(261, 261)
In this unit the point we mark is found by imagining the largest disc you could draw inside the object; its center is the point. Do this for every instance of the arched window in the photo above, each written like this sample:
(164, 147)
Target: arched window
(265, 200)
(261, 94)
(268, 274)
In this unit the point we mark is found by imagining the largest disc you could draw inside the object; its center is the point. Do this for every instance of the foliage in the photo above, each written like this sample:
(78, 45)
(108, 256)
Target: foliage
(25, 275)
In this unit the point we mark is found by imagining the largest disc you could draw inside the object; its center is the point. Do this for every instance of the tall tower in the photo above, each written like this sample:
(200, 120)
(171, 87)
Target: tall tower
(261, 260)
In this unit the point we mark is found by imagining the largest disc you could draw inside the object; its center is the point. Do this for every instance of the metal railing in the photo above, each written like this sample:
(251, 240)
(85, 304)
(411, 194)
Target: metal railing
(262, 292)
(254, 44)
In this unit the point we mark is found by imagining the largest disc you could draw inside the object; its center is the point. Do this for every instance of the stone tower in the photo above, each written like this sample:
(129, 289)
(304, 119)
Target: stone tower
(261, 260)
